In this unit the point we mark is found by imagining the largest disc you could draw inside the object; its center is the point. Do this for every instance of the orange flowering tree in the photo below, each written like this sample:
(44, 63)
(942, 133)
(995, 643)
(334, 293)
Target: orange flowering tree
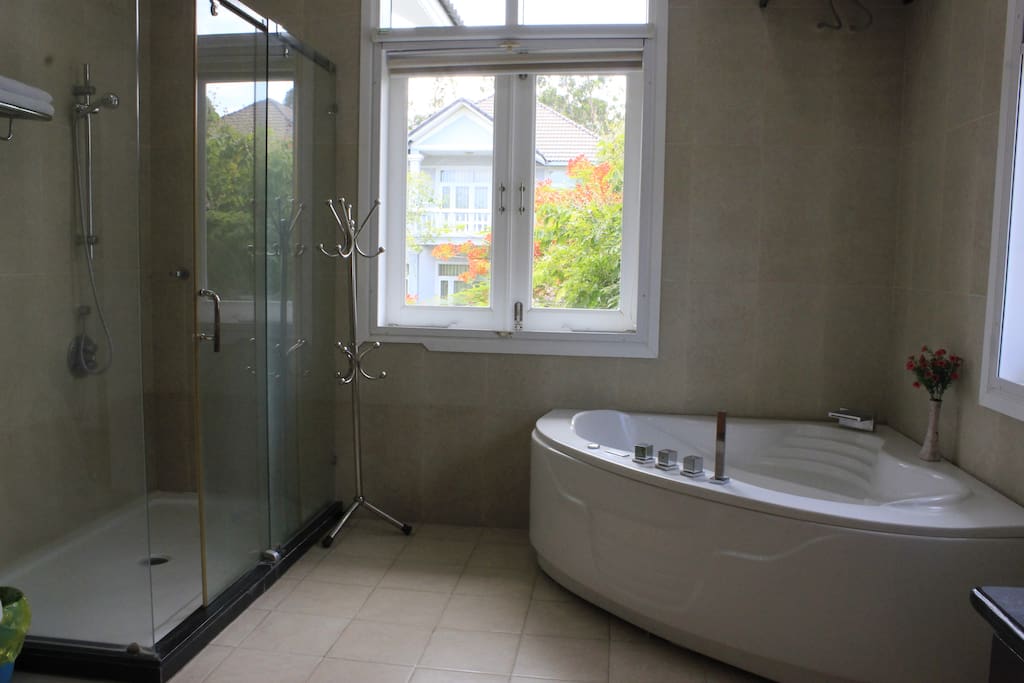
(578, 236)
(577, 250)
(477, 276)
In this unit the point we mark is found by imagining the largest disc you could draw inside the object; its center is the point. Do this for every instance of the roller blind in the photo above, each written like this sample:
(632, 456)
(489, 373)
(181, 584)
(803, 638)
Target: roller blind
(507, 57)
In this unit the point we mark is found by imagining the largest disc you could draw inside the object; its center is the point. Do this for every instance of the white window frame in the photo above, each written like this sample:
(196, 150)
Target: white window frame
(999, 394)
(552, 331)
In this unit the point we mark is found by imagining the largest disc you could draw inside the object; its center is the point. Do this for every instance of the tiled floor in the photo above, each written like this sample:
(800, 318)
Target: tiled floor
(448, 605)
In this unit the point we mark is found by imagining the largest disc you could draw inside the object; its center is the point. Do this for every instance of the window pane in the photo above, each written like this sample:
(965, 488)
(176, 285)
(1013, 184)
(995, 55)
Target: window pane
(577, 232)
(451, 139)
(583, 12)
(480, 197)
(1011, 347)
(414, 13)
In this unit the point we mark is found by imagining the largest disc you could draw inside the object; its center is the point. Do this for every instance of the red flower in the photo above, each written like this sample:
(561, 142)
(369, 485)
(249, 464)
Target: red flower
(940, 352)
(910, 365)
(924, 348)
(917, 385)
(954, 376)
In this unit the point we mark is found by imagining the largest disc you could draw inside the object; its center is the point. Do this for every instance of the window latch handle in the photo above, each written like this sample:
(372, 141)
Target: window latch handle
(501, 199)
(522, 198)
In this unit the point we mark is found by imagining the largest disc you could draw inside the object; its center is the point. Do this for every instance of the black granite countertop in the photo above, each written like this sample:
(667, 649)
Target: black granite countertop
(1003, 608)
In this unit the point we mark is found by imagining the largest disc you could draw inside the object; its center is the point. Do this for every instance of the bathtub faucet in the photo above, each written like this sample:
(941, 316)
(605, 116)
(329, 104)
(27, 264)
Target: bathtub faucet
(854, 419)
(719, 477)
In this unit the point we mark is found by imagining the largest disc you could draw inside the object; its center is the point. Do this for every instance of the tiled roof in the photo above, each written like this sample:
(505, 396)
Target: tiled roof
(559, 138)
(279, 118)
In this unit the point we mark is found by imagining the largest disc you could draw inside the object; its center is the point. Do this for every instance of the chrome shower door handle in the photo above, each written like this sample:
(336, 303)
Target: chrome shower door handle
(215, 298)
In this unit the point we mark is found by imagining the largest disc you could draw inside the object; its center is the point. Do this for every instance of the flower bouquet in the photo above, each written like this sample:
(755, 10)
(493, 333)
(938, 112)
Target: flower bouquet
(935, 371)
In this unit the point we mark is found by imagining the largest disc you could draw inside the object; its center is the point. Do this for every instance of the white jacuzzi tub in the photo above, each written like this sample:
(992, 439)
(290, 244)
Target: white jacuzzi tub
(830, 555)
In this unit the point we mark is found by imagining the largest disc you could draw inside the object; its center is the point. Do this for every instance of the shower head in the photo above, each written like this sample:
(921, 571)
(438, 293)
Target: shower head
(108, 101)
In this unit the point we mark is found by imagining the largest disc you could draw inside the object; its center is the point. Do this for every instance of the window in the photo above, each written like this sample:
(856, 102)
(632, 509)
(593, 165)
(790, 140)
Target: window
(520, 175)
(1002, 384)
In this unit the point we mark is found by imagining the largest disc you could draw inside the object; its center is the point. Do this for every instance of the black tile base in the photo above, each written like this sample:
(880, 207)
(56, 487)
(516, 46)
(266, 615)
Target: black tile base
(172, 652)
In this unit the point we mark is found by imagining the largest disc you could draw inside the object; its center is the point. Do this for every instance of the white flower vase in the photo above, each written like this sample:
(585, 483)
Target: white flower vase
(930, 450)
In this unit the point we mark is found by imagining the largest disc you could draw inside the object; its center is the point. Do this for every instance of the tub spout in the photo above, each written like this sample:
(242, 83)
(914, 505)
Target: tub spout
(854, 419)
(720, 477)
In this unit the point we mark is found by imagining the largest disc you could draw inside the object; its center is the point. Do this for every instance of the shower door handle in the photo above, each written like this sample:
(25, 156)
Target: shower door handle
(202, 336)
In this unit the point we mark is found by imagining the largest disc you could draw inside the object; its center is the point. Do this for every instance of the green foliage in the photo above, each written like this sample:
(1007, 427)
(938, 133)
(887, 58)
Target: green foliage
(576, 97)
(230, 188)
(578, 235)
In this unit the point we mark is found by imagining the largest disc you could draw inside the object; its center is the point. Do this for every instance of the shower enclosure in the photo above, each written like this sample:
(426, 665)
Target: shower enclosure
(166, 423)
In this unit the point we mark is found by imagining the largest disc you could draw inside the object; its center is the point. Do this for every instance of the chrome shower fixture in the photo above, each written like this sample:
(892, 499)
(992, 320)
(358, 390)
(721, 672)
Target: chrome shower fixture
(108, 101)
(82, 356)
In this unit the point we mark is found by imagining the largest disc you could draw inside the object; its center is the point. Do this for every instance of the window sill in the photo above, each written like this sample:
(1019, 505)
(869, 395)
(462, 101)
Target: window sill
(1007, 403)
(590, 344)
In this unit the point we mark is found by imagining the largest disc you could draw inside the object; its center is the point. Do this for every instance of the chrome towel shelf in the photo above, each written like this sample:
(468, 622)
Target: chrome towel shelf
(13, 111)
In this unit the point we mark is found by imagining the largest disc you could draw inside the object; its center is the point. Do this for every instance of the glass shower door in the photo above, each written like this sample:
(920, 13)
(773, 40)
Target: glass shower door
(300, 286)
(231, 256)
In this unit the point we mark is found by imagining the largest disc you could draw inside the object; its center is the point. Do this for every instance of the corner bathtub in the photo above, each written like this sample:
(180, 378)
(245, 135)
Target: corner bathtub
(831, 555)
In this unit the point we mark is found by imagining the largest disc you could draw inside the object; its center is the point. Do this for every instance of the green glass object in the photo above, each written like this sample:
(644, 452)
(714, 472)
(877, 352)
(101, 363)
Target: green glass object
(14, 625)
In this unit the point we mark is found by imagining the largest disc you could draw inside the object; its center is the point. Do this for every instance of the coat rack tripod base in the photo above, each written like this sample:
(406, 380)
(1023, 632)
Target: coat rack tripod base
(348, 249)
(359, 502)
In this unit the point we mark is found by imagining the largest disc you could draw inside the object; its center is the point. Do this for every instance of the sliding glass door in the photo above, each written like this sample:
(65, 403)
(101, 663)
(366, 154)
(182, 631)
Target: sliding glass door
(231, 256)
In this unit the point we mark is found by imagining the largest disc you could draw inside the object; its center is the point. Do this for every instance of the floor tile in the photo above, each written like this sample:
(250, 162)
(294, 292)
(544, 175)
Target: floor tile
(571, 659)
(576, 619)
(196, 671)
(448, 532)
(420, 576)
(359, 571)
(655, 661)
(469, 651)
(625, 631)
(343, 670)
(436, 676)
(379, 642)
(412, 608)
(547, 589)
(278, 592)
(244, 624)
(498, 535)
(495, 582)
(302, 634)
(719, 672)
(354, 544)
(250, 666)
(325, 599)
(438, 551)
(503, 555)
(305, 564)
(369, 523)
(481, 613)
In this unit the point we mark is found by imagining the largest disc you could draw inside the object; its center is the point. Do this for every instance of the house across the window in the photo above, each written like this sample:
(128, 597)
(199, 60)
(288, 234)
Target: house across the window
(450, 157)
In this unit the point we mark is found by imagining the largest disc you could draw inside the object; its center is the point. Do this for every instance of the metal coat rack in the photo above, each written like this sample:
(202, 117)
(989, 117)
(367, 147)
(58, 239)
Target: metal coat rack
(355, 352)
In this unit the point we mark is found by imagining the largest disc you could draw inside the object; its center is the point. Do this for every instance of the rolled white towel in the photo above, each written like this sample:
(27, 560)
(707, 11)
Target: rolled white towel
(26, 102)
(11, 85)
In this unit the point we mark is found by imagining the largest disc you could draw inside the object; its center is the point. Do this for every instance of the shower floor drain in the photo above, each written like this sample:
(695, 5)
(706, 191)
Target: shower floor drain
(155, 560)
